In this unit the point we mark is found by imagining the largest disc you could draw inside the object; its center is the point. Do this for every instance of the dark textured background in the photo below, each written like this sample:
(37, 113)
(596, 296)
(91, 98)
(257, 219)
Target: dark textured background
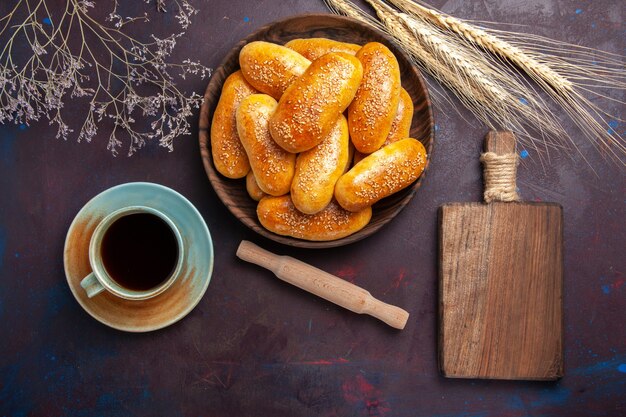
(255, 346)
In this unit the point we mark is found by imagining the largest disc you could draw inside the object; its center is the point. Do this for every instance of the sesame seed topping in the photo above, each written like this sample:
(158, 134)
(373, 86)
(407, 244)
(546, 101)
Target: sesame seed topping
(280, 216)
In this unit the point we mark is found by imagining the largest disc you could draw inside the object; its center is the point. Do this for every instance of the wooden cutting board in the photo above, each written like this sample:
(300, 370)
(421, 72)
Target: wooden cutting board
(501, 284)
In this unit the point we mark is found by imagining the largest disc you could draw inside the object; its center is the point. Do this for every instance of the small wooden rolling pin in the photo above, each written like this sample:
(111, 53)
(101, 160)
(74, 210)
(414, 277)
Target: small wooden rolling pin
(323, 284)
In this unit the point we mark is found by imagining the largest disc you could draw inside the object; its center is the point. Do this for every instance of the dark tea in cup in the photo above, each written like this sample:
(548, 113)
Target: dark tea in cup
(136, 253)
(139, 251)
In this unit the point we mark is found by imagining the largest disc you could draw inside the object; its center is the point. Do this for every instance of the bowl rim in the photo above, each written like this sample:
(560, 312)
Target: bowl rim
(219, 76)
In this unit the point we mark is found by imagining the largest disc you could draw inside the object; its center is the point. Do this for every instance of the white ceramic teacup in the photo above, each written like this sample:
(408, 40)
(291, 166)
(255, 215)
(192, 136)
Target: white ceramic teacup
(100, 280)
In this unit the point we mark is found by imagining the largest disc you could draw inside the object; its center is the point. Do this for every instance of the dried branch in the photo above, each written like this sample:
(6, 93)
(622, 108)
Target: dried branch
(124, 78)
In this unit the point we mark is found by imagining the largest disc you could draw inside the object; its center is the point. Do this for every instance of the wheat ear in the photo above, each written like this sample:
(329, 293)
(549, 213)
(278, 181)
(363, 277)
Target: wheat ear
(566, 91)
(492, 95)
(479, 37)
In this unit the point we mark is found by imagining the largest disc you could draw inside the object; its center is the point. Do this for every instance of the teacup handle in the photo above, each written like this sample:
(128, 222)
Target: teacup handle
(91, 285)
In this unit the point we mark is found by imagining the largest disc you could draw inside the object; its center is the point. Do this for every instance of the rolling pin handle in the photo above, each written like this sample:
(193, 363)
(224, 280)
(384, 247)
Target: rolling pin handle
(392, 315)
(323, 284)
(252, 253)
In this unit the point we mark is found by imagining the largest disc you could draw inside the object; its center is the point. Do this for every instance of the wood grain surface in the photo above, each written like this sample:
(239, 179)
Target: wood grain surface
(233, 192)
(501, 287)
(501, 291)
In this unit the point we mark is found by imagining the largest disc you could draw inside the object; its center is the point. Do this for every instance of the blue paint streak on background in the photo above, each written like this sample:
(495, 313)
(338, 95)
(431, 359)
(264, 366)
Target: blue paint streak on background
(7, 139)
(612, 365)
(551, 397)
(59, 377)
(112, 403)
(100, 352)
(516, 403)
(606, 288)
(13, 397)
(47, 21)
(56, 297)
(108, 400)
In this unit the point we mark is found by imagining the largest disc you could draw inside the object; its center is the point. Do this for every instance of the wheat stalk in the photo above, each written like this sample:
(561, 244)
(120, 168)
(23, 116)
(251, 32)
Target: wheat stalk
(588, 116)
(472, 62)
(481, 38)
(490, 93)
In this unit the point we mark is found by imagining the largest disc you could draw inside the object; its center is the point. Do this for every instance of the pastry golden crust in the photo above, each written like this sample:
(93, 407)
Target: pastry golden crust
(371, 114)
(313, 48)
(229, 156)
(384, 172)
(254, 191)
(273, 167)
(401, 126)
(280, 216)
(311, 105)
(319, 168)
(271, 68)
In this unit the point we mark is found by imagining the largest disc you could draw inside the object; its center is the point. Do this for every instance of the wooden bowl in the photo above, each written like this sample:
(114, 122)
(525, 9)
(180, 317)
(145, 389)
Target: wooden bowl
(233, 192)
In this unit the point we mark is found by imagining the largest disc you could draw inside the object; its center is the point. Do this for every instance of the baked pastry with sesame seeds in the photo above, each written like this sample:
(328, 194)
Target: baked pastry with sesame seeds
(401, 126)
(252, 187)
(229, 156)
(313, 48)
(371, 114)
(311, 105)
(319, 168)
(271, 68)
(273, 167)
(280, 216)
(380, 174)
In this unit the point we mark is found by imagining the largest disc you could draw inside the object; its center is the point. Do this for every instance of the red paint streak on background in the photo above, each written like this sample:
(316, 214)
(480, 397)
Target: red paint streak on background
(348, 273)
(398, 281)
(617, 284)
(359, 391)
